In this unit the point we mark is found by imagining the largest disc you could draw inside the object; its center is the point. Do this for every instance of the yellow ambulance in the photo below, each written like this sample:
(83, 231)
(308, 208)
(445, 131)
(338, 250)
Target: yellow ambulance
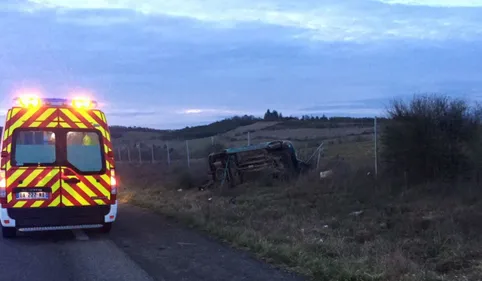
(57, 167)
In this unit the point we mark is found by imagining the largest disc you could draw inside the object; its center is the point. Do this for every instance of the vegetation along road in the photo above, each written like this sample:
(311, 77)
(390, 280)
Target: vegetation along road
(142, 246)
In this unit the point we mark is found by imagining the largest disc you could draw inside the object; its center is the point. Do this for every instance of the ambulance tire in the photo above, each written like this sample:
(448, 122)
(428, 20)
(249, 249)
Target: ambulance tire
(106, 227)
(9, 232)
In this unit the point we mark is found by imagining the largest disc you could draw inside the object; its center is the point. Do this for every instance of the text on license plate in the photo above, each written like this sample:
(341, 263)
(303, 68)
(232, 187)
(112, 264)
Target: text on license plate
(32, 195)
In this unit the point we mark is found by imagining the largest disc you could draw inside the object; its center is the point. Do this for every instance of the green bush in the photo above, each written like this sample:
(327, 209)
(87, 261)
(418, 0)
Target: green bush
(431, 137)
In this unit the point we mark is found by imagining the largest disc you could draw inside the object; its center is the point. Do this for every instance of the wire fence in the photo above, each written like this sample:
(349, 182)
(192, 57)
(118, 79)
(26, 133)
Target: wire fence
(357, 143)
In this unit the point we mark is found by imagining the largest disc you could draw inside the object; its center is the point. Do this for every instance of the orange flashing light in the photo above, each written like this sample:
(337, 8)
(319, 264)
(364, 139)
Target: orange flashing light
(83, 103)
(29, 101)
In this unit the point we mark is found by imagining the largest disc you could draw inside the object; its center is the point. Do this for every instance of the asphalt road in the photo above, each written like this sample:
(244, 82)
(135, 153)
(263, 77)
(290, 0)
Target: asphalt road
(142, 246)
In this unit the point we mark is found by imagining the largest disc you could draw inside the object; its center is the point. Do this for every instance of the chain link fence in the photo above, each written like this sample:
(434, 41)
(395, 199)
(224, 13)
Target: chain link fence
(357, 143)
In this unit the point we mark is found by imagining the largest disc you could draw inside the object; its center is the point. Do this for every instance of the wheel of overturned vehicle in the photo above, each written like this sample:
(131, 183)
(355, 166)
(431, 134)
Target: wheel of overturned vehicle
(9, 232)
(106, 228)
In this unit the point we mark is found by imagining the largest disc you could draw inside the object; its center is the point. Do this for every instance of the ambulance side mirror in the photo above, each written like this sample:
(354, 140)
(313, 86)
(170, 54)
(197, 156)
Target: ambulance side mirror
(4, 154)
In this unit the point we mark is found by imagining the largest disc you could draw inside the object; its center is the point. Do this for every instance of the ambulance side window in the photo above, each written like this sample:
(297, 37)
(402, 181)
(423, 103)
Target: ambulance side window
(84, 151)
(34, 147)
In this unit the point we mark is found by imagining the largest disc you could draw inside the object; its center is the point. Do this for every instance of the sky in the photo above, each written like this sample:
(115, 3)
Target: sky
(170, 64)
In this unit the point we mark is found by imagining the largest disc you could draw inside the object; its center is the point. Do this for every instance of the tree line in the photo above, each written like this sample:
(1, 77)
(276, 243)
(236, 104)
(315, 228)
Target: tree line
(228, 124)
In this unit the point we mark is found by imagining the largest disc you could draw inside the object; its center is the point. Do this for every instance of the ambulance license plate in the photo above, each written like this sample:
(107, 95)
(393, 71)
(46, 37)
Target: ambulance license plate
(31, 195)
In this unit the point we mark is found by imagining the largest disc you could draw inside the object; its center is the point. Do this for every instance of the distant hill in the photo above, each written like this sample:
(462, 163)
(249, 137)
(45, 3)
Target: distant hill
(230, 124)
(277, 122)
(218, 127)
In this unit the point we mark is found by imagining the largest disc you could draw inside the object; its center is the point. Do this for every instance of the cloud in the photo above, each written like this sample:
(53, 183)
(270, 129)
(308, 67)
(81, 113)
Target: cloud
(211, 112)
(130, 113)
(170, 62)
(327, 21)
(435, 3)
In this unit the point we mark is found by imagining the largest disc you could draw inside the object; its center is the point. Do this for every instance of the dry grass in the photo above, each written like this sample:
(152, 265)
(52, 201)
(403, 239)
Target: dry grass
(250, 128)
(310, 133)
(348, 228)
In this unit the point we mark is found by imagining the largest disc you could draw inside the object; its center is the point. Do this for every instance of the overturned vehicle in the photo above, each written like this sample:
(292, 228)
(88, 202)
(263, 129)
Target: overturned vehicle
(235, 165)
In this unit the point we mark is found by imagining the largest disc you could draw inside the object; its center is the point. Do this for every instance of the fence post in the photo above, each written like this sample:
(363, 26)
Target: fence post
(318, 159)
(212, 140)
(168, 155)
(249, 138)
(188, 156)
(128, 154)
(140, 154)
(152, 151)
(376, 145)
(119, 152)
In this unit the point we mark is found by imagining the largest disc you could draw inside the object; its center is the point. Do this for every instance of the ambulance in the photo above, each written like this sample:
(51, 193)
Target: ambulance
(57, 167)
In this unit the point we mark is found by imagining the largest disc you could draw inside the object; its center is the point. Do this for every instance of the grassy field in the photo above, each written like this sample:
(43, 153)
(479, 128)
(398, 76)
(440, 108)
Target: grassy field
(348, 228)
(355, 225)
(345, 142)
(351, 227)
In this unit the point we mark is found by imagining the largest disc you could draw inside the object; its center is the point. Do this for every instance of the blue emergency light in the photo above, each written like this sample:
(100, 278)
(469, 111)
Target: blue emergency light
(33, 101)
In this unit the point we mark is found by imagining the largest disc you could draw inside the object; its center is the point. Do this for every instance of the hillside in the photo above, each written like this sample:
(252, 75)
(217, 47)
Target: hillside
(306, 134)
(337, 133)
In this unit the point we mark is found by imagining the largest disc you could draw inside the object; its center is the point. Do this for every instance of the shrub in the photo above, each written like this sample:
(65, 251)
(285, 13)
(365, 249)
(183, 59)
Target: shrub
(430, 137)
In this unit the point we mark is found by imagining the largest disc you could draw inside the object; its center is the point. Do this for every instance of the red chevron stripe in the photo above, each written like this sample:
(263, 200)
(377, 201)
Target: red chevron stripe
(54, 195)
(92, 187)
(70, 198)
(34, 117)
(89, 185)
(67, 120)
(22, 177)
(104, 127)
(83, 194)
(104, 183)
(28, 122)
(96, 119)
(14, 119)
(53, 198)
(29, 203)
(82, 119)
(49, 119)
(27, 172)
(40, 177)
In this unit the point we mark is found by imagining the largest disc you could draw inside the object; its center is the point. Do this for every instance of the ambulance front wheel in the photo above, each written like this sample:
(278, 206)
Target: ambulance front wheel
(106, 227)
(9, 232)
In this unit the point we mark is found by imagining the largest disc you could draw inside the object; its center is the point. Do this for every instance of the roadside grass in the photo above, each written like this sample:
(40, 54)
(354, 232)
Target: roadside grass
(348, 228)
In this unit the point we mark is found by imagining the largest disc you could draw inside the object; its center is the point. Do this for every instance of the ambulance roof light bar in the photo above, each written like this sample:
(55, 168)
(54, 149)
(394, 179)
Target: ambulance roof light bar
(34, 101)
